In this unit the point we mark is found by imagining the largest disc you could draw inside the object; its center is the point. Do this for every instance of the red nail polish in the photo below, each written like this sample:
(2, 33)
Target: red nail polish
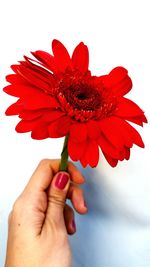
(61, 180)
(73, 225)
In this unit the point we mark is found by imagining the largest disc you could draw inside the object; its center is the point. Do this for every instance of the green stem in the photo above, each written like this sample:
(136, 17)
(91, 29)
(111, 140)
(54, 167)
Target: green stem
(64, 156)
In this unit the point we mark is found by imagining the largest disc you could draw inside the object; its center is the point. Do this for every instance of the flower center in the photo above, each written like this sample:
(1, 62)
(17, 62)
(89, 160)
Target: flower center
(82, 96)
(82, 99)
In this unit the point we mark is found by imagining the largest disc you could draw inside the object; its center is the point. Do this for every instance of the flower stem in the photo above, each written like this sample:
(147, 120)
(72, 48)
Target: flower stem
(64, 156)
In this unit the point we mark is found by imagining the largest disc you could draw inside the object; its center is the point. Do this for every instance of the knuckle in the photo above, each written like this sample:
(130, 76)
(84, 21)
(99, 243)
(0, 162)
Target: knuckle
(44, 162)
(56, 199)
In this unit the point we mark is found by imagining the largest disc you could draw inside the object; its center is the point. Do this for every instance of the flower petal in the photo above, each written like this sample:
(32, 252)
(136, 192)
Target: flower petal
(112, 162)
(128, 133)
(52, 115)
(127, 153)
(34, 78)
(118, 80)
(61, 56)
(134, 134)
(46, 59)
(138, 119)
(127, 108)
(39, 101)
(76, 150)
(117, 74)
(14, 109)
(38, 71)
(111, 133)
(80, 57)
(90, 155)
(30, 114)
(78, 132)
(123, 87)
(40, 132)
(108, 148)
(26, 126)
(93, 129)
(60, 127)
(15, 79)
(115, 131)
(20, 90)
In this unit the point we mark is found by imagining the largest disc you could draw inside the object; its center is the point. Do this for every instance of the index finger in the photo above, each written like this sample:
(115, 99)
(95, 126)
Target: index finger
(43, 175)
(76, 175)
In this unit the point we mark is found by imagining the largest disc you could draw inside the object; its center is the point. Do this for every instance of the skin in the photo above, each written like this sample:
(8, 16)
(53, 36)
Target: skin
(40, 220)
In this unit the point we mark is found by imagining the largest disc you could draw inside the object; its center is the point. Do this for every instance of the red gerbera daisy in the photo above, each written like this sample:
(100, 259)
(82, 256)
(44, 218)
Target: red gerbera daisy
(59, 97)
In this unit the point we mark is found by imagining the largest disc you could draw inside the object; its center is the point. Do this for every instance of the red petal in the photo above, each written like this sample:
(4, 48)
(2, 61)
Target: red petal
(127, 108)
(118, 80)
(20, 90)
(80, 57)
(112, 162)
(38, 71)
(138, 120)
(78, 132)
(122, 87)
(61, 55)
(46, 59)
(40, 132)
(108, 148)
(52, 115)
(14, 109)
(30, 115)
(39, 101)
(16, 79)
(93, 129)
(143, 118)
(111, 133)
(14, 67)
(26, 126)
(117, 74)
(127, 153)
(75, 150)
(134, 134)
(128, 133)
(114, 129)
(60, 127)
(34, 78)
(90, 155)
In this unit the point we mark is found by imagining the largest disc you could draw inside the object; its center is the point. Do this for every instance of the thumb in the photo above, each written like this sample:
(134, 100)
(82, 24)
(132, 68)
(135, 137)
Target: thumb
(56, 197)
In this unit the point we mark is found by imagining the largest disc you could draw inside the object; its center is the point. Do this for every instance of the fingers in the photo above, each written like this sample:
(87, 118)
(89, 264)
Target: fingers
(75, 194)
(42, 176)
(56, 198)
(75, 174)
(69, 219)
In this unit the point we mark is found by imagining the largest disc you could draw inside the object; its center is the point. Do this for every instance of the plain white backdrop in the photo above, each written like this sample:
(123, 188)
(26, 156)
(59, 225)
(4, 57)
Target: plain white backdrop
(116, 231)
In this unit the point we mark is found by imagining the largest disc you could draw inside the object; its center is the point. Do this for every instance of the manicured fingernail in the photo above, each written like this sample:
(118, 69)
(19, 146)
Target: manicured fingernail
(61, 180)
(73, 225)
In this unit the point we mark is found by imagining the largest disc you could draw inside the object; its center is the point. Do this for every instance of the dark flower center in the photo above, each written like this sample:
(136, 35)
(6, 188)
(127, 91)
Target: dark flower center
(82, 96)
(82, 99)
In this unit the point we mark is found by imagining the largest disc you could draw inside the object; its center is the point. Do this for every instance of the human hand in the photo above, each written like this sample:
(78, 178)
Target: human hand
(40, 219)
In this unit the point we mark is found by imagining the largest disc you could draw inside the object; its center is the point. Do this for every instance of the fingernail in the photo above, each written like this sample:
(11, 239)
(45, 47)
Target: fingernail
(73, 225)
(61, 180)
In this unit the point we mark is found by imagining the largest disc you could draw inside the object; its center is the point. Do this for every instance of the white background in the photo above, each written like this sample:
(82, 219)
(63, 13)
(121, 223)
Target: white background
(116, 231)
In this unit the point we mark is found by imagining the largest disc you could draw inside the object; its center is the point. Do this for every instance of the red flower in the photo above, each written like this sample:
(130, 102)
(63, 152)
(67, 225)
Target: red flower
(58, 96)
